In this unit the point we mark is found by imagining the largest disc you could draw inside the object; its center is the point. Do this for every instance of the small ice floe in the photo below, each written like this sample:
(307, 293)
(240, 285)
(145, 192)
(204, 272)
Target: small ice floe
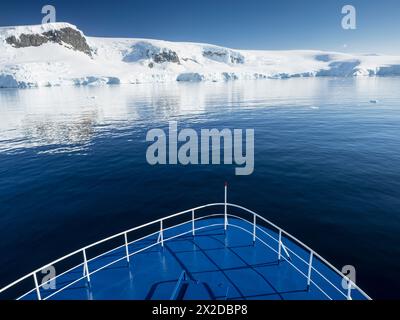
(374, 101)
(314, 107)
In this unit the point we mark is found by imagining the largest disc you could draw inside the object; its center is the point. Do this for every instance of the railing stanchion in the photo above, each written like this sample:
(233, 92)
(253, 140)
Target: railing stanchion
(85, 265)
(37, 287)
(349, 290)
(280, 245)
(193, 226)
(310, 269)
(226, 207)
(126, 246)
(254, 228)
(162, 233)
(160, 240)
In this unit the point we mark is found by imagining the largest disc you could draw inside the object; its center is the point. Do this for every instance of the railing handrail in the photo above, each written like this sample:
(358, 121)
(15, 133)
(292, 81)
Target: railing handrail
(161, 220)
(304, 246)
(105, 240)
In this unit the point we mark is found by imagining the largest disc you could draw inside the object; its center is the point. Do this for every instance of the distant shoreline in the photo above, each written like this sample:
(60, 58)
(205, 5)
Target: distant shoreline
(59, 54)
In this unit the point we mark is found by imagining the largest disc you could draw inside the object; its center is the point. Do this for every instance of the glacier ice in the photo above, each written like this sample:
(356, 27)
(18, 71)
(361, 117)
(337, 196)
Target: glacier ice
(54, 62)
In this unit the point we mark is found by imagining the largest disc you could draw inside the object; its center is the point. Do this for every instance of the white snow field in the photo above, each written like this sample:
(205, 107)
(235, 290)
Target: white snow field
(59, 54)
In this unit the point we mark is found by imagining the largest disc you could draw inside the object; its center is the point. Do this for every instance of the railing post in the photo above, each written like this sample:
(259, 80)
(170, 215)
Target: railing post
(310, 269)
(280, 246)
(37, 287)
(126, 246)
(349, 290)
(162, 233)
(254, 228)
(226, 207)
(193, 226)
(86, 267)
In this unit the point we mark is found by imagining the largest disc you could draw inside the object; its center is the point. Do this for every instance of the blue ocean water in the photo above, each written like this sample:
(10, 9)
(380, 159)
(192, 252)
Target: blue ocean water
(73, 166)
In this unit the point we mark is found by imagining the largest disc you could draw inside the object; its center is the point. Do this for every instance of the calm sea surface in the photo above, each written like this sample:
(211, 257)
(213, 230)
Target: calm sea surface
(73, 166)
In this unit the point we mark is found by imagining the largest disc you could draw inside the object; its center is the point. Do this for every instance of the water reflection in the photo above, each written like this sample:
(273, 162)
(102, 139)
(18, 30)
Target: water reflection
(67, 119)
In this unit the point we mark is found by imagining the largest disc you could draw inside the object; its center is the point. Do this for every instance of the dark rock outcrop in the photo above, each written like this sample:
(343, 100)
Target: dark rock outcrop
(144, 50)
(237, 59)
(166, 56)
(223, 55)
(68, 36)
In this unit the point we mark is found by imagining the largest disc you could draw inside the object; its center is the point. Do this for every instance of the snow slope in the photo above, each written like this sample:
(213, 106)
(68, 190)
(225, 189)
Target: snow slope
(116, 61)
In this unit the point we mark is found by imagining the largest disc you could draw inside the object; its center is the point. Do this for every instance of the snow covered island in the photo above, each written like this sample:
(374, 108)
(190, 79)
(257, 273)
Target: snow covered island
(60, 54)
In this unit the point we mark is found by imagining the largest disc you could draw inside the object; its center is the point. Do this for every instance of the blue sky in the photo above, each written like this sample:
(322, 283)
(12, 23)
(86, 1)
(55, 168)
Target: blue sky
(250, 24)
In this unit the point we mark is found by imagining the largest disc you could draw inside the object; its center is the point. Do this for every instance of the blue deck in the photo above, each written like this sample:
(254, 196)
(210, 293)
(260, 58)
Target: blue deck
(212, 265)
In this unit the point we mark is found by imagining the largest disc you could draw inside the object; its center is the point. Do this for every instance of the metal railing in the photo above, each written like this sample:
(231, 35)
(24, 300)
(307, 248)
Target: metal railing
(255, 231)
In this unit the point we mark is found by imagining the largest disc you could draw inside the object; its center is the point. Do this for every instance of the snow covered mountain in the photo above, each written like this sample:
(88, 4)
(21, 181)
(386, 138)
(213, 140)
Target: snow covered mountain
(60, 54)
